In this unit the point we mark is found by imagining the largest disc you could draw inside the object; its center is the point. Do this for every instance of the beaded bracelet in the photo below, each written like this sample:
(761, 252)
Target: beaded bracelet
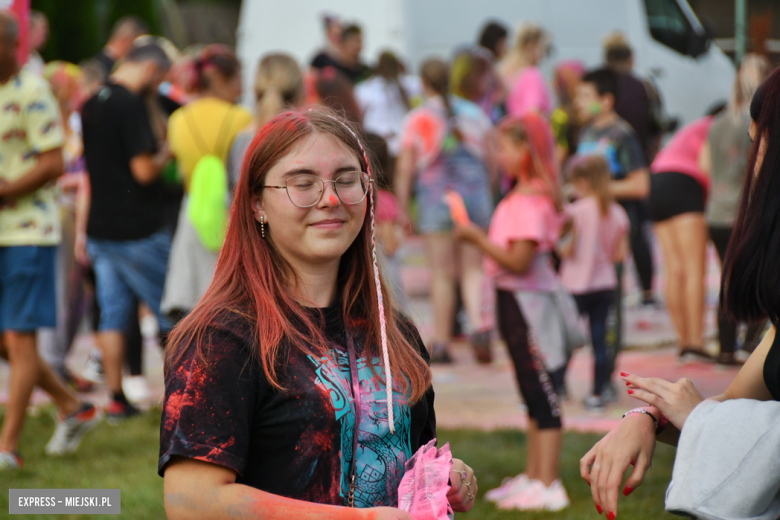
(659, 424)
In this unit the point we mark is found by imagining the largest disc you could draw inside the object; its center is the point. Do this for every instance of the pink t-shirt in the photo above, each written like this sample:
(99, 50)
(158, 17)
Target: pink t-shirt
(529, 93)
(522, 216)
(591, 268)
(681, 153)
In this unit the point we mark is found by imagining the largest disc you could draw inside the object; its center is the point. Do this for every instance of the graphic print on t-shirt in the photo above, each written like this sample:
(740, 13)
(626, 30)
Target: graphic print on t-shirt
(608, 150)
(380, 455)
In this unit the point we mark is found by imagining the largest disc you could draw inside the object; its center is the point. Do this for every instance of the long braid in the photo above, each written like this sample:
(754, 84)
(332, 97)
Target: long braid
(378, 283)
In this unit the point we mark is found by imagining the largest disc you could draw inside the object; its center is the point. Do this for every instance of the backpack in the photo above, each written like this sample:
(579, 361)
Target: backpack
(207, 209)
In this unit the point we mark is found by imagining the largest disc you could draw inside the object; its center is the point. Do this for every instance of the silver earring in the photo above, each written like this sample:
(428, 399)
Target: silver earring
(262, 226)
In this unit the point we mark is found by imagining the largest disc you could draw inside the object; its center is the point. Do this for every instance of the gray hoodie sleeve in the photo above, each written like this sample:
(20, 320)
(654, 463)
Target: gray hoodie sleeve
(728, 462)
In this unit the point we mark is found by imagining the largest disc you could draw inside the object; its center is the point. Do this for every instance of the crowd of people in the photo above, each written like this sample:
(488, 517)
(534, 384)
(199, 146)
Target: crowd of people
(135, 185)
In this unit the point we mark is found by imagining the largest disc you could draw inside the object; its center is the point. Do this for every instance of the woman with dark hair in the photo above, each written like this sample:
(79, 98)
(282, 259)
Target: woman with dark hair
(203, 128)
(276, 384)
(750, 291)
(493, 38)
(448, 144)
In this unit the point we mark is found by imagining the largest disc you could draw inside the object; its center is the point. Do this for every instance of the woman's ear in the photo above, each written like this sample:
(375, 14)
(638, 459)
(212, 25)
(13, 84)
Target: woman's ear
(257, 208)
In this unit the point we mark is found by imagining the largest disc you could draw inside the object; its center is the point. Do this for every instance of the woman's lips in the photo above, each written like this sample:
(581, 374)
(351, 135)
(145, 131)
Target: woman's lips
(328, 224)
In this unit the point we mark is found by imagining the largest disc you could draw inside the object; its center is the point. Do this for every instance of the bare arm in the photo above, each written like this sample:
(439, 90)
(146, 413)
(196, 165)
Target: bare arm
(83, 194)
(705, 158)
(635, 186)
(404, 174)
(201, 490)
(146, 168)
(749, 383)
(621, 249)
(516, 258)
(47, 168)
(491, 162)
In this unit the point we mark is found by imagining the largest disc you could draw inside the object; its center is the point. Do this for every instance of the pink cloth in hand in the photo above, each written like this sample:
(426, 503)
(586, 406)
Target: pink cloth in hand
(423, 490)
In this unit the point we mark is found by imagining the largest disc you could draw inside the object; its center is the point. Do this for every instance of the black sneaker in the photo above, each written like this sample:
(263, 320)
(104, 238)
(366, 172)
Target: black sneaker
(116, 411)
(440, 353)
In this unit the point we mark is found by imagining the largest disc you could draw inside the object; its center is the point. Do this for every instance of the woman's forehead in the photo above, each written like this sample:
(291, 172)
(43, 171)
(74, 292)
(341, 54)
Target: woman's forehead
(319, 152)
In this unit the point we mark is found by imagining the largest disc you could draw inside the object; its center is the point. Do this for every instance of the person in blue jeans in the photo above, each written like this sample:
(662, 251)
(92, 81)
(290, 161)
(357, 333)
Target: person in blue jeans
(126, 238)
(30, 159)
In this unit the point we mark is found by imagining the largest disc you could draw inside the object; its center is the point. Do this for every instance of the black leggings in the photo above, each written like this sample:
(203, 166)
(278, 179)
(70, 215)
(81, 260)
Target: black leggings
(640, 245)
(535, 384)
(727, 326)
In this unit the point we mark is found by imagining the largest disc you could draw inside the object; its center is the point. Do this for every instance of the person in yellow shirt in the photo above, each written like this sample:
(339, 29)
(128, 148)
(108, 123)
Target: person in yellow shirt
(206, 126)
(31, 142)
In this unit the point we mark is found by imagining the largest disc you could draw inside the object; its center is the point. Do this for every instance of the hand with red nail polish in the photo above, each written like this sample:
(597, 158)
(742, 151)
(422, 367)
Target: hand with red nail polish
(675, 400)
(630, 443)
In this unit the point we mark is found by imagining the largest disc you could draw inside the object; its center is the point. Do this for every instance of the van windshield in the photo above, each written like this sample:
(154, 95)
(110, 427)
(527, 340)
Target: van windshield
(669, 25)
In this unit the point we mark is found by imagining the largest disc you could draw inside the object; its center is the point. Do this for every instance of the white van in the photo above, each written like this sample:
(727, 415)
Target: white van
(670, 44)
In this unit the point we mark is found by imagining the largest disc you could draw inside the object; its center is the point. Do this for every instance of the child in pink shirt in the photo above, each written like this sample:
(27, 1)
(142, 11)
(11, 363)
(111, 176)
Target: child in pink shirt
(598, 240)
(523, 231)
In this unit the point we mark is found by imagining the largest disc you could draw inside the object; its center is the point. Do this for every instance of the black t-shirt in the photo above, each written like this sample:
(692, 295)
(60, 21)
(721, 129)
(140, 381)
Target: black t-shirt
(106, 62)
(295, 443)
(116, 129)
(633, 105)
(355, 74)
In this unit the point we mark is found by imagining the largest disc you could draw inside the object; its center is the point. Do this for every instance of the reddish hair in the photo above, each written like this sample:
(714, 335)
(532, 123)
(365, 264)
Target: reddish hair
(253, 281)
(533, 129)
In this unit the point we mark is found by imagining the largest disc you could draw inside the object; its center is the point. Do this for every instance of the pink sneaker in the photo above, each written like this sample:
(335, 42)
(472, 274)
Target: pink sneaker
(538, 497)
(510, 486)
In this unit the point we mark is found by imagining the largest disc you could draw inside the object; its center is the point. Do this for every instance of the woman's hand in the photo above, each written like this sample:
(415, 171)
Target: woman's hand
(632, 442)
(675, 400)
(386, 513)
(463, 487)
(468, 233)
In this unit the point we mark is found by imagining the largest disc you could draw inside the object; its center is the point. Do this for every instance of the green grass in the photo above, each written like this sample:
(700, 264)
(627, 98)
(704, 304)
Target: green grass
(125, 457)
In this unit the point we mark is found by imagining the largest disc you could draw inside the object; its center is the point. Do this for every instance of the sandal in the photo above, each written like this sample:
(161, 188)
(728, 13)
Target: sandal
(692, 354)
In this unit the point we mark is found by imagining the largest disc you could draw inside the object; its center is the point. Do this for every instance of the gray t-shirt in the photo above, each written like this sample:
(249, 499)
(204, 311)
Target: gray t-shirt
(619, 145)
(729, 150)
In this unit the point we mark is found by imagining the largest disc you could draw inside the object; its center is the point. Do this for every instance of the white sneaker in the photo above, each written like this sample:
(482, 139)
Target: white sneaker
(538, 497)
(149, 327)
(10, 460)
(93, 370)
(69, 432)
(135, 388)
(509, 487)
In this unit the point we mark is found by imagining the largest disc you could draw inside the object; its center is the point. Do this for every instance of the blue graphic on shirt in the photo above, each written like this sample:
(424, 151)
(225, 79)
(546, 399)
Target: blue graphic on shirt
(380, 455)
(605, 148)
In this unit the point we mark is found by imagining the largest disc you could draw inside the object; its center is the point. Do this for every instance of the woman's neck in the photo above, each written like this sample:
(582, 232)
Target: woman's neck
(317, 284)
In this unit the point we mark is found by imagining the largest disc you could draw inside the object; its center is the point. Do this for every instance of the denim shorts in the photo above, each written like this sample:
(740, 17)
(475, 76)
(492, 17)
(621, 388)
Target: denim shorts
(461, 172)
(126, 270)
(27, 288)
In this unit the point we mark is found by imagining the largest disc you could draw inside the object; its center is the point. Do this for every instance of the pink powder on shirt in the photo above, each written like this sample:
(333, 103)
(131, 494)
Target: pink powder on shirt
(518, 217)
(592, 268)
(681, 153)
(529, 94)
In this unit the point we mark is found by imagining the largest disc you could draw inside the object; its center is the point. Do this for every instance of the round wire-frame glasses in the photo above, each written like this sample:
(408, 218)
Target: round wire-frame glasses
(305, 190)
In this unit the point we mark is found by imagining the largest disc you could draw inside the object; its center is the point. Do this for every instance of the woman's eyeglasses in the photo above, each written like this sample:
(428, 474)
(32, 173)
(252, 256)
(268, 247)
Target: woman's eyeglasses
(305, 190)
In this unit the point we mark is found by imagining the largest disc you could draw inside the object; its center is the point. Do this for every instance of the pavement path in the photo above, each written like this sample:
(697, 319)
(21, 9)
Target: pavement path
(469, 395)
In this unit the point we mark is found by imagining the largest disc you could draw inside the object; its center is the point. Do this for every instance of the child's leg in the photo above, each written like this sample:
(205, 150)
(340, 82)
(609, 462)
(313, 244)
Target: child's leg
(532, 462)
(535, 386)
(549, 448)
